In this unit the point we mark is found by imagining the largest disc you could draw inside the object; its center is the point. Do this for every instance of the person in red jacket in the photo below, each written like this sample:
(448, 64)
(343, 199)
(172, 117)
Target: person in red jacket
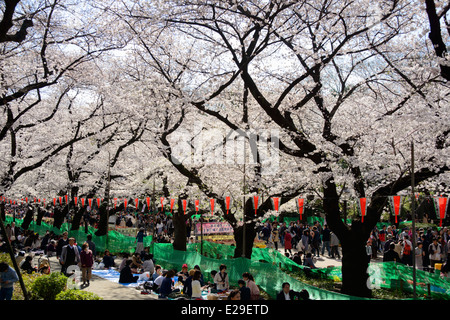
(288, 242)
(86, 261)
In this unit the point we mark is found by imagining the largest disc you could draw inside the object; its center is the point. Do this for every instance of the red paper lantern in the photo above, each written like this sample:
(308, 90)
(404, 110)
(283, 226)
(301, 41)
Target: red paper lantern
(184, 203)
(395, 203)
(255, 203)
(197, 203)
(211, 204)
(276, 203)
(442, 204)
(300, 204)
(228, 203)
(362, 207)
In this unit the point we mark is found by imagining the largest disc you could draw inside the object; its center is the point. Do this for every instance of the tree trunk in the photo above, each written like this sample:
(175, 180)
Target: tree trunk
(250, 234)
(353, 241)
(28, 218)
(58, 217)
(40, 215)
(103, 223)
(76, 220)
(355, 263)
(179, 224)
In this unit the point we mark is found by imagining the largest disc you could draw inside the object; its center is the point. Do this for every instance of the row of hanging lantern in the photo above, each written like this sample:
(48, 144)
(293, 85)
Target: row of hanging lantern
(441, 204)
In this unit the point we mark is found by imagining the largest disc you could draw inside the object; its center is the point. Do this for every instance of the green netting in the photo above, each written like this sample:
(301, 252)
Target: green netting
(266, 265)
(392, 275)
(114, 242)
(267, 275)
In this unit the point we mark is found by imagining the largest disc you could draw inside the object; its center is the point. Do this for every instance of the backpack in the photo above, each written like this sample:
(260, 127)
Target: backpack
(407, 249)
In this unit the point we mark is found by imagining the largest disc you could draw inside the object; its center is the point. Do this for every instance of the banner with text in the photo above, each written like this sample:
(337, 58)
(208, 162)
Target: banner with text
(214, 227)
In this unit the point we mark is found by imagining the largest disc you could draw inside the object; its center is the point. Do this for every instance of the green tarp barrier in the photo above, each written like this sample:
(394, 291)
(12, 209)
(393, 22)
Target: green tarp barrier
(266, 265)
(392, 275)
(115, 241)
(267, 275)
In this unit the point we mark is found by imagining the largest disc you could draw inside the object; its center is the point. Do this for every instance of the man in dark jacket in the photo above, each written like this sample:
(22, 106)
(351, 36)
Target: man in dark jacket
(287, 294)
(245, 291)
(126, 276)
(326, 238)
(391, 255)
(70, 255)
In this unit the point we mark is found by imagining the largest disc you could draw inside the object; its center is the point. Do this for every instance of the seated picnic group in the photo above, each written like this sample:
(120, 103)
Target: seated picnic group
(191, 282)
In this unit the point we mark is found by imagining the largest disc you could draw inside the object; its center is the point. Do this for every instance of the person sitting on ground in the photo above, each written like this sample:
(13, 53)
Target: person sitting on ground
(126, 276)
(304, 295)
(183, 274)
(26, 265)
(136, 262)
(166, 284)
(235, 295)
(148, 265)
(202, 281)
(254, 290)
(196, 287)
(221, 279)
(158, 281)
(245, 291)
(297, 257)
(287, 294)
(50, 249)
(157, 273)
(108, 260)
(126, 256)
(309, 261)
(188, 283)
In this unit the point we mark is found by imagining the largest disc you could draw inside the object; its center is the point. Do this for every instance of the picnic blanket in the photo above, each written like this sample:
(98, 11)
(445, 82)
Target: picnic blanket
(114, 275)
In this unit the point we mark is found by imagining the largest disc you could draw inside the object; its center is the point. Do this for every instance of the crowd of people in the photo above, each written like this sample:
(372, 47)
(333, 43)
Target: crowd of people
(301, 242)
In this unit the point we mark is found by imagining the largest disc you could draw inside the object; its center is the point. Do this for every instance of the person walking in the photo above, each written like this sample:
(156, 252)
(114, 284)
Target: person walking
(315, 241)
(69, 256)
(369, 250)
(326, 239)
(407, 251)
(64, 241)
(305, 241)
(275, 235)
(86, 261)
(8, 276)
(435, 252)
(140, 240)
(287, 242)
(418, 255)
(91, 245)
(334, 244)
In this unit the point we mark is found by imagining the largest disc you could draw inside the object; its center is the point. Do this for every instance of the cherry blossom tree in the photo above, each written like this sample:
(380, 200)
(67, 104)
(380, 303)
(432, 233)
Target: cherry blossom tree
(333, 76)
(329, 87)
